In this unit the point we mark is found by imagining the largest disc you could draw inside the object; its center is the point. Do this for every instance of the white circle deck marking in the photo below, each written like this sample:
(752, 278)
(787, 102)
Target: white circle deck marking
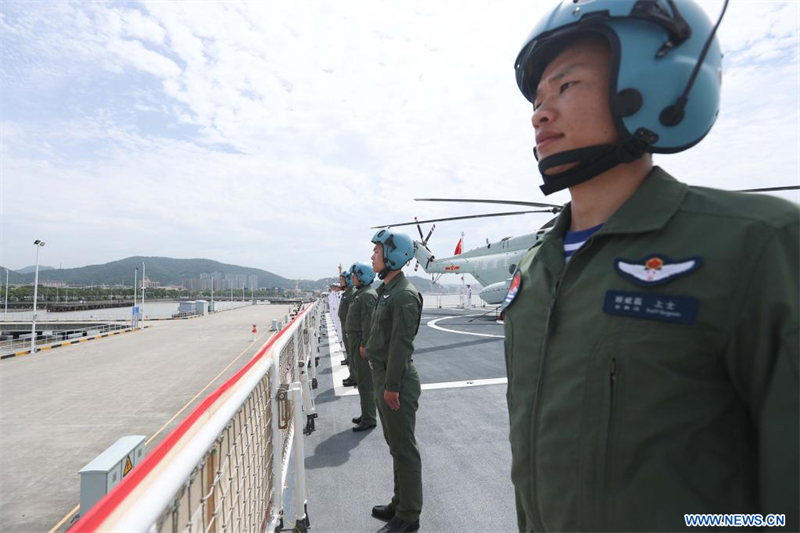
(433, 324)
(340, 371)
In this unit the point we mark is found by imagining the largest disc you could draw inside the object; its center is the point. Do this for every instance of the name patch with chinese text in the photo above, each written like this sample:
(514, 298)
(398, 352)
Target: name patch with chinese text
(661, 307)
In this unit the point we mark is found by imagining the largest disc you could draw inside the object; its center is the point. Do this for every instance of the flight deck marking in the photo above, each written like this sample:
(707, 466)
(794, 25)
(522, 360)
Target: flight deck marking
(461, 384)
(340, 371)
(433, 325)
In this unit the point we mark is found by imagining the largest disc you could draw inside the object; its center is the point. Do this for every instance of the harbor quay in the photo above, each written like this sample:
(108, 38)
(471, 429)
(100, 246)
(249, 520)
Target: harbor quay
(59, 409)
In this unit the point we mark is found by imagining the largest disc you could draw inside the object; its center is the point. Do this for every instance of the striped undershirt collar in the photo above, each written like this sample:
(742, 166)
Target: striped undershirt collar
(573, 240)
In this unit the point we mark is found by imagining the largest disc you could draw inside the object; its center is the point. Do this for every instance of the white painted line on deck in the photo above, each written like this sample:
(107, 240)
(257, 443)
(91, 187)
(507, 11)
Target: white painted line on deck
(339, 371)
(433, 324)
(462, 384)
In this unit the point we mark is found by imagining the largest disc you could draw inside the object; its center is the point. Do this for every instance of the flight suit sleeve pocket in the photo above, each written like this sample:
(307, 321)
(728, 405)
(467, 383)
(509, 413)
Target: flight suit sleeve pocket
(410, 313)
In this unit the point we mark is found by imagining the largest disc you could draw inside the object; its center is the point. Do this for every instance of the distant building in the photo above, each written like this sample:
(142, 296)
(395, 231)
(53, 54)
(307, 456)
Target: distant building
(235, 281)
(192, 284)
(220, 282)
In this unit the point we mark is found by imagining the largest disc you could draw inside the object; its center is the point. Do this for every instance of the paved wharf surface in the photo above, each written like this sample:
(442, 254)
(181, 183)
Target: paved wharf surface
(462, 432)
(61, 408)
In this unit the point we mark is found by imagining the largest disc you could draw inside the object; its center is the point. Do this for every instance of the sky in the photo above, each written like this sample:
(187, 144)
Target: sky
(275, 134)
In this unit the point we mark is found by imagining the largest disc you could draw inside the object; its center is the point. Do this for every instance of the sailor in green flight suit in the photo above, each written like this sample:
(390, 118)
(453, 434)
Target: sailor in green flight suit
(395, 323)
(652, 338)
(359, 321)
(346, 281)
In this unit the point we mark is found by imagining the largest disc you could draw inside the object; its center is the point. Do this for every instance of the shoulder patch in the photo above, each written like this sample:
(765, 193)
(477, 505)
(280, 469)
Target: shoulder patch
(513, 290)
(655, 269)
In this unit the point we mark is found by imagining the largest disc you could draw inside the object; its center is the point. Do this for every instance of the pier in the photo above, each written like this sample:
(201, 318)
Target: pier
(61, 408)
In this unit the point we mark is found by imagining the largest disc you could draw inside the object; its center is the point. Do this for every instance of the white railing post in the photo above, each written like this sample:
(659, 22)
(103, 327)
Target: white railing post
(277, 448)
(301, 519)
(314, 358)
(307, 397)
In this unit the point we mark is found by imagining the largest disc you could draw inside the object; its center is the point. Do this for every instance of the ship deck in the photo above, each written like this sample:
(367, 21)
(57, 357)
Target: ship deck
(462, 433)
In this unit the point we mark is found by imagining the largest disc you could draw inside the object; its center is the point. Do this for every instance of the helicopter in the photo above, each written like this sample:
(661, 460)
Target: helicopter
(494, 263)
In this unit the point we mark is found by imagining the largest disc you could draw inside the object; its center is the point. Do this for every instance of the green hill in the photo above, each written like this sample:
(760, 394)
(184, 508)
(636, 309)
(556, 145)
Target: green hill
(14, 277)
(164, 270)
(32, 268)
(168, 271)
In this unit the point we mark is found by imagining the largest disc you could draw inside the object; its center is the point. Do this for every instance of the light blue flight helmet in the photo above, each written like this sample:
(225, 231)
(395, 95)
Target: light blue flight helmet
(664, 88)
(348, 278)
(398, 249)
(363, 272)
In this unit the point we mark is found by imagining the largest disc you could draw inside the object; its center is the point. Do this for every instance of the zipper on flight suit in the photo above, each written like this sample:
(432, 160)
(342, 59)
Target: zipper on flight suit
(550, 327)
(612, 383)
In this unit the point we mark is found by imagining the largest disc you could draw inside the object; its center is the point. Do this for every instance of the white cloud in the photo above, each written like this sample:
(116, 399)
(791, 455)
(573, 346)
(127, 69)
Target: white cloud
(274, 134)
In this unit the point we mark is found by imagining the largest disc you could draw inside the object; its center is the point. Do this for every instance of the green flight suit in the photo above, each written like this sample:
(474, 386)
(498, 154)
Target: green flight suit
(344, 307)
(637, 394)
(390, 346)
(359, 320)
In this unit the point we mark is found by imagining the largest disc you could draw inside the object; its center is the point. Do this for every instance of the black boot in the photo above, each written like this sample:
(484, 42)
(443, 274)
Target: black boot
(364, 427)
(395, 525)
(383, 512)
(357, 420)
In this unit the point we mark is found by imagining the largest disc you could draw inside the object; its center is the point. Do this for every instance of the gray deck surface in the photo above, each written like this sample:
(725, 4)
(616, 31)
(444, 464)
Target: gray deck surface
(61, 408)
(462, 434)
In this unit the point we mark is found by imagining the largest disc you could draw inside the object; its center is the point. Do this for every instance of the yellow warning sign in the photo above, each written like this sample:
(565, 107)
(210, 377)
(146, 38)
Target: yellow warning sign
(128, 466)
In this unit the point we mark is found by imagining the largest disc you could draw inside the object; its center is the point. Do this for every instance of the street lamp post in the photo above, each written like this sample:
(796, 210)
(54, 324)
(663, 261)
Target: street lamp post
(38, 245)
(212, 292)
(5, 313)
(144, 277)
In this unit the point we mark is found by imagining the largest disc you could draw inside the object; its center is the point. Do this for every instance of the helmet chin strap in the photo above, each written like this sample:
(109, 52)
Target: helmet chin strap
(592, 161)
(383, 273)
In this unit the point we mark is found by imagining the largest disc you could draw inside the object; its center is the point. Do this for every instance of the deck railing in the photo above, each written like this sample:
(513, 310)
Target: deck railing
(223, 469)
(54, 337)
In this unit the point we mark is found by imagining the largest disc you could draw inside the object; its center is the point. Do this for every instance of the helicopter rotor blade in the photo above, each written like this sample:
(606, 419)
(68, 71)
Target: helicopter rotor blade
(463, 218)
(483, 201)
(768, 189)
(425, 242)
(419, 229)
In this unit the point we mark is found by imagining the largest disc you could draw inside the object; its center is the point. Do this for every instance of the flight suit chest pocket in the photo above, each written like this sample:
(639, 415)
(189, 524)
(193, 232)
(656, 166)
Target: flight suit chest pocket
(646, 378)
(380, 319)
(383, 301)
